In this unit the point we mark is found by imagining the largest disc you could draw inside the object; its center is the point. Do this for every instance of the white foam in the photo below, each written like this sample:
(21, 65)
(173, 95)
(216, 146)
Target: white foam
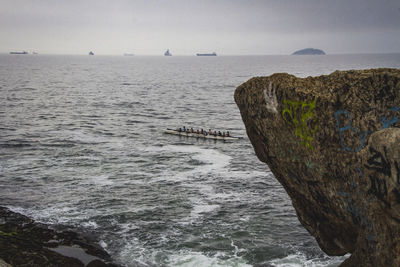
(212, 161)
(102, 180)
(134, 252)
(195, 259)
(200, 209)
(300, 260)
(103, 244)
(90, 224)
(57, 214)
(237, 249)
(245, 218)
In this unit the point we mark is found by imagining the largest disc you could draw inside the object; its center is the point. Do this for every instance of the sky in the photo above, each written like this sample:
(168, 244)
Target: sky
(186, 27)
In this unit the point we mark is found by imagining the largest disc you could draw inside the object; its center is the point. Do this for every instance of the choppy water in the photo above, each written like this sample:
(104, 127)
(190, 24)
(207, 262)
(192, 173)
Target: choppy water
(81, 144)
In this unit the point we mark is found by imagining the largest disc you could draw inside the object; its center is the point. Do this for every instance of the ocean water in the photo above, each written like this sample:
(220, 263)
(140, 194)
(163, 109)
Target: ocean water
(82, 144)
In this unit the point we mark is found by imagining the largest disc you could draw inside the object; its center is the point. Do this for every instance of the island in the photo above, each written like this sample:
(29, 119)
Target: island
(309, 51)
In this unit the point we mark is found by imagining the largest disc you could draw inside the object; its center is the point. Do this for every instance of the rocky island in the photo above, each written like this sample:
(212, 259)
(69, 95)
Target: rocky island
(24, 242)
(309, 51)
(333, 143)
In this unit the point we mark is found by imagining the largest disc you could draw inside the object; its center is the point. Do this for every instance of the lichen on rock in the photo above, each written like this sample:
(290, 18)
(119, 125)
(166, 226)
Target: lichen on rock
(333, 143)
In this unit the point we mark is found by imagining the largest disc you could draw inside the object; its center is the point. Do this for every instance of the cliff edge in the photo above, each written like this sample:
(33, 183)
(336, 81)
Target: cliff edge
(333, 143)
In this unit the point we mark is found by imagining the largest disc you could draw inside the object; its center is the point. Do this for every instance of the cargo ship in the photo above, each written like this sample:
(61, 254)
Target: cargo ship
(19, 53)
(206, 54)
(167, 53)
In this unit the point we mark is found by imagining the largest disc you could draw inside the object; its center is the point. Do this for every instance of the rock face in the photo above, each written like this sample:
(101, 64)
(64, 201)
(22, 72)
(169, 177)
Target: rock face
(24, 242)
(333, 143)
(309, 51)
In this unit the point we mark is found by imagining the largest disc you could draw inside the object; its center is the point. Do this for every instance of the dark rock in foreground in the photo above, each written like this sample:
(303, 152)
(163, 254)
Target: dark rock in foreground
(24, 242)
(333, 143)
(309, 51)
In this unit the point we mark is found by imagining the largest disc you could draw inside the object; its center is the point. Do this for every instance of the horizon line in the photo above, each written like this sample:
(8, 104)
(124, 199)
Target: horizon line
(194, 55)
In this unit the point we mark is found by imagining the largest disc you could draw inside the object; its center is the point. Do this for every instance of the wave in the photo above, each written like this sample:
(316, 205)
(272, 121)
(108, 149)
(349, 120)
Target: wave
(14, 145)
(130, 122)
(58, 144)
(24, 89)
(192, 259)
(299, 259)
(206, 160)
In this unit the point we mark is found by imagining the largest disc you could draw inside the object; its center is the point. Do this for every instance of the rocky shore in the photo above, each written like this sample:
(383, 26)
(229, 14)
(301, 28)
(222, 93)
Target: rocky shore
(24, 242)
(333, 143)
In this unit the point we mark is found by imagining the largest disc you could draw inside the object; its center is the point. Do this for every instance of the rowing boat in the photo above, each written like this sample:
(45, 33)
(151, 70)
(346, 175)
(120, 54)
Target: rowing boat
(196, 135)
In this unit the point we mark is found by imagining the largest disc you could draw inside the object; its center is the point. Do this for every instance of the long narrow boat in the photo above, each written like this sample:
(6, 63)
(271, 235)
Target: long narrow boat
(196, 135)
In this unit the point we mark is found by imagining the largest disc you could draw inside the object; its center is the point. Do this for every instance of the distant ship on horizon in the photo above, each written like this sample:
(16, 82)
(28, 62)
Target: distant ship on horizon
(129, 54)
(19, 53)
(167, 53)
(91, 53)
(206, 54)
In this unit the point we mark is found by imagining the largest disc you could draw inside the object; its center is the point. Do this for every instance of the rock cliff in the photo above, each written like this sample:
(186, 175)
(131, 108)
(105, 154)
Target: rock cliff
(333, 143)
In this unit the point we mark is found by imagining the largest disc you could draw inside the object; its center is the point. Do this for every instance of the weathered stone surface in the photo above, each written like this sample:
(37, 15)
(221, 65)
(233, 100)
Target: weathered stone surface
(4, 264)
(333, 142)
(24, 242)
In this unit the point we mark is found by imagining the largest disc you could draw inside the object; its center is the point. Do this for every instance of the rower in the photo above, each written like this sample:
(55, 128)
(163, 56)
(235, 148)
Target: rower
(227, 133)
(184, 129)
(219, 133)
(209, 132)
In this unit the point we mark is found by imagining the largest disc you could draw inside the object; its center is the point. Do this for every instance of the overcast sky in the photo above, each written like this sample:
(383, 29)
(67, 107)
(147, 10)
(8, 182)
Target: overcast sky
(149, 27)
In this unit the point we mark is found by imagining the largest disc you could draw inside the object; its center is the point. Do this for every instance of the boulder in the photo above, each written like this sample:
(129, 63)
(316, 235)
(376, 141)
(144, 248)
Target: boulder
(333, 143)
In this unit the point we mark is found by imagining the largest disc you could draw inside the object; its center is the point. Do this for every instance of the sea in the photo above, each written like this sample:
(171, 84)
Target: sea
(82, 144)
